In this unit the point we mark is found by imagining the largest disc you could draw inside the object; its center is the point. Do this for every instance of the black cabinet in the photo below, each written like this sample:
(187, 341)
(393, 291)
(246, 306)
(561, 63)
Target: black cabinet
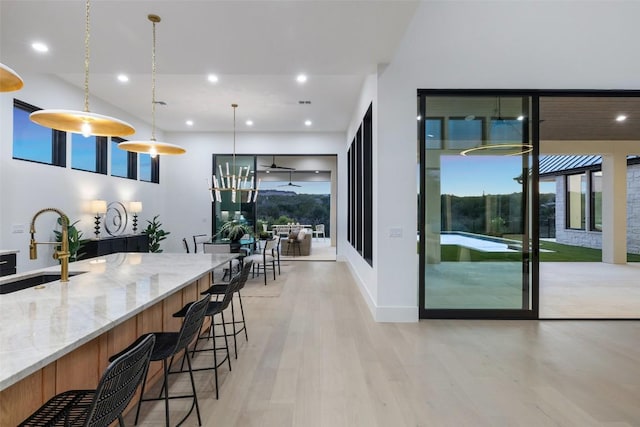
(113, 244)
(7, 264)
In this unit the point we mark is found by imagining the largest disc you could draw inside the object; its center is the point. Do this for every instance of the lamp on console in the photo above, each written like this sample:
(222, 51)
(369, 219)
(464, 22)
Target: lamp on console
(98, 207)
(135, 208)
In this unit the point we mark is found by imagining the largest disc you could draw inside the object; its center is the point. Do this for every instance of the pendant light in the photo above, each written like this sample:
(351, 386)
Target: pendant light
(238, 184)
(9, 79)
(152, 147)
(83, 122)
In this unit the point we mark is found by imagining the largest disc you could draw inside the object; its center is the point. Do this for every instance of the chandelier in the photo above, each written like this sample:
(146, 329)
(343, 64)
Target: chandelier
(238, 184)
(152, 147)
(83, 122)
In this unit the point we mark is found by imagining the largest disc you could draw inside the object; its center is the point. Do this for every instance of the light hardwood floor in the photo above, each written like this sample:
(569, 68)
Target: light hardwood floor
(315, 357)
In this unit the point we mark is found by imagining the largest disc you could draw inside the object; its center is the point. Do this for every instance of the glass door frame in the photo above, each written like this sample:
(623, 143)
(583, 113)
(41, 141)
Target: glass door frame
(533, 254)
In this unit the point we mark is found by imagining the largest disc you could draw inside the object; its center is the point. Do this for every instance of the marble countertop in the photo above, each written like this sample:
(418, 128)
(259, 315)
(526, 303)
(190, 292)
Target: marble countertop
(38, 326)
(8, 251)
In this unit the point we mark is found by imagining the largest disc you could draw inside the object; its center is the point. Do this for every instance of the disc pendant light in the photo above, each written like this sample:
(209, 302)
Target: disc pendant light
(83, 122)
(152, 147)
(9, 79)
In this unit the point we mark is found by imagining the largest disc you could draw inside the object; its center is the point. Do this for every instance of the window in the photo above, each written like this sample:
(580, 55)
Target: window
(506, 130)
(149, 168)
(596, 201)
(123, 163)
(465, 132)
(145, 167)
(89, 154)
(34, 142)
(576, 194)
(360, 185)
(433, 133)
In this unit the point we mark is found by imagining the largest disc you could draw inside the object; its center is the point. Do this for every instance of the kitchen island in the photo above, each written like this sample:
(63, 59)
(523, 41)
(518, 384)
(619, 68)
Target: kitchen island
(59, 336)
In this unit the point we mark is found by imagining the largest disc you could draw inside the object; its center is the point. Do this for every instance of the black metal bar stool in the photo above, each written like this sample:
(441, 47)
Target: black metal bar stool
(220, 289)
(215, 308)
(167, 345)
(105, 404)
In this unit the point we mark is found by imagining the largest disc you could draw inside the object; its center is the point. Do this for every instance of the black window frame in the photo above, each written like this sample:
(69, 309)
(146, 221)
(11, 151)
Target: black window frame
(58, 140)
(132, 161)
(101, 155)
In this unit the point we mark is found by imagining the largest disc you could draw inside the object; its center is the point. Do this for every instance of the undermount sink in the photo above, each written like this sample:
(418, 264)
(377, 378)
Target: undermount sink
(8, 286)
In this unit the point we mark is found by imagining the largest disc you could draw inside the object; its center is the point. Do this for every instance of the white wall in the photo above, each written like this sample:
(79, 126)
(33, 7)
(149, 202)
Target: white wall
(27, 187)
(480, 45)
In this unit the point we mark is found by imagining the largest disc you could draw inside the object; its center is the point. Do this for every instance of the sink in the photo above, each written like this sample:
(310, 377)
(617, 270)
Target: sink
(8, 286)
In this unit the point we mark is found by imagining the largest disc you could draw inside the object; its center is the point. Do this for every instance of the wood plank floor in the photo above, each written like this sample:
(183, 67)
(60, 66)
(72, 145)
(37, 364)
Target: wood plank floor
(315, 357)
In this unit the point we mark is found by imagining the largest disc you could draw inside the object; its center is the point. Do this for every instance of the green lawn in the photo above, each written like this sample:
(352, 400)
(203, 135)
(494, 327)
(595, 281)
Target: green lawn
(560, 253)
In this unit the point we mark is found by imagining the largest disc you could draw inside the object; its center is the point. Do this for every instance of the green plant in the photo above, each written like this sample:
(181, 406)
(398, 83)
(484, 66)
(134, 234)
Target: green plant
(75, 239)
(234, 230)
(264, 235)
(156, 234)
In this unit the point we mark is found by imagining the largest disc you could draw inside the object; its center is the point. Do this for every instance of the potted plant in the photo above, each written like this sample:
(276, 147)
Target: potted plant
(156, 234)
(75, 239)
(234, 230)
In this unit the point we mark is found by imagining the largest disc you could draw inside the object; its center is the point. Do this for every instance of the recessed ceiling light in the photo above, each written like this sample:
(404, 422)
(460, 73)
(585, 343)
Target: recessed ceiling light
(212, 78)
(249, 122)
(189, 122)
(301, 78)
(621, 118)
(520, 118)
(419, 118)
(317, 171)
(268, 171)
(308, 123)
(123, 78)
(40, 47)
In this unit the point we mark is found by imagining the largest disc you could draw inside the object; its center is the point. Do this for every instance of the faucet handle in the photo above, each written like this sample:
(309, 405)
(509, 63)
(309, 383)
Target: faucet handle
(33, 249)
(59, 255)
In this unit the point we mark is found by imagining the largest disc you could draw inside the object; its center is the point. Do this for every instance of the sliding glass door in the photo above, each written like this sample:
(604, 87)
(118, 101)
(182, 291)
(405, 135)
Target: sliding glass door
(476, 179)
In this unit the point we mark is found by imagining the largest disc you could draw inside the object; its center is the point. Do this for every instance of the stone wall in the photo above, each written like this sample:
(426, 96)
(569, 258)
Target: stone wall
(593, 239)
(633, 209)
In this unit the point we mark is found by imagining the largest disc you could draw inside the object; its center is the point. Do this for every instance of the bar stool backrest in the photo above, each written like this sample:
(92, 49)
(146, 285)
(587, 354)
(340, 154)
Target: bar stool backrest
(192, 323)
(119, 383)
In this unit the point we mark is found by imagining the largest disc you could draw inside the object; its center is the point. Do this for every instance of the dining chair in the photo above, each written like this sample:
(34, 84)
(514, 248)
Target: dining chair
(200, 239)
(268, 256)
(215, 248)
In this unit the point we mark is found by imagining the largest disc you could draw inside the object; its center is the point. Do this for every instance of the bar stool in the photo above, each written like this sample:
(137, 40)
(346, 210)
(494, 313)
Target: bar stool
(214, 308)
(105, 404)
(167, 345)
(221, 288)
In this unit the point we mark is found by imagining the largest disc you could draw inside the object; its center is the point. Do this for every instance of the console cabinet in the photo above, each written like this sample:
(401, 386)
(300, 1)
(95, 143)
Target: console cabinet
(7, 264)
(113, 244)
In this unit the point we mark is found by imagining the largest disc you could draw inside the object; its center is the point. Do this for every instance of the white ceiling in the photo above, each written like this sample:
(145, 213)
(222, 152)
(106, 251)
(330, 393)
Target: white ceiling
(255, 47)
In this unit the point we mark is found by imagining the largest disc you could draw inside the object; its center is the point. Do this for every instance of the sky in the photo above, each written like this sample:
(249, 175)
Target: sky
(480, 174)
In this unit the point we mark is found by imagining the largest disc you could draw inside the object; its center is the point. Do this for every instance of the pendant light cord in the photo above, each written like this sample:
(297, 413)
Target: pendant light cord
(234, 140)
(153, 84)
(86, 58)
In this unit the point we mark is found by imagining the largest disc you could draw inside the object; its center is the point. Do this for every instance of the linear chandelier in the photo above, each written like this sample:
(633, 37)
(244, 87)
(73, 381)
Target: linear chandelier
(152, 147)
(83, 122)
(9, 79)
(238, 184)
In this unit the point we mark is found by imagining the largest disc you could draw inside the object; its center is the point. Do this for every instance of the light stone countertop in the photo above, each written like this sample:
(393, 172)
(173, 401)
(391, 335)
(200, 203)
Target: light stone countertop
(8, 251)
(38, 326)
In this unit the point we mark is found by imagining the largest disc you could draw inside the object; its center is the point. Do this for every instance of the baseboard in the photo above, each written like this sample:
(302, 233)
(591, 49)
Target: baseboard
(390, 314)
(396, 314)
